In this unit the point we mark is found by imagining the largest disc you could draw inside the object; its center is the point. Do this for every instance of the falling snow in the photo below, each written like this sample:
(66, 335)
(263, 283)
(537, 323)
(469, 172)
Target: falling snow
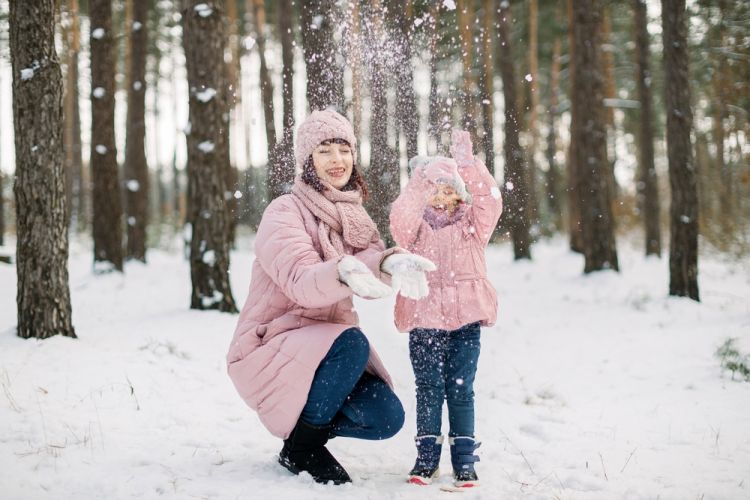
(133, 185)
(203, 10)
(98, 33)
(101, 149)
(98, 92)
(449, 4)
(209, 258)
(206, 94)
(206, 146)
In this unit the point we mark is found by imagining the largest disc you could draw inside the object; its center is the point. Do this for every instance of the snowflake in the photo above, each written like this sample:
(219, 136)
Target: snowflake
(101, 149)
(206, 146)
(203, 10)
(133, 185)
(206, 94)
(98, 92)
(98, 33)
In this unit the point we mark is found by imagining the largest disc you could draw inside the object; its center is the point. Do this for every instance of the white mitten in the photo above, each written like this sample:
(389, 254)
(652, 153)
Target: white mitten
(360, 279)
(408, 274)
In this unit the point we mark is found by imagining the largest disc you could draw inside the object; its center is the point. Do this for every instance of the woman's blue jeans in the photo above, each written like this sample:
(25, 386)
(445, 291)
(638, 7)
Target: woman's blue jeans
(356, 403)
(445, 364)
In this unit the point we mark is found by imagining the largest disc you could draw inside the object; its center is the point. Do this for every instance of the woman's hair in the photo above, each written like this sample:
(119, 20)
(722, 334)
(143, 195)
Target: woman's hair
(356, 180)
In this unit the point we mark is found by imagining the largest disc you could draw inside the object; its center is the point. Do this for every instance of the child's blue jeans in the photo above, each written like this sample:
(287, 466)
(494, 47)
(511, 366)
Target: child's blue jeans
(445, 364)
(356, 403)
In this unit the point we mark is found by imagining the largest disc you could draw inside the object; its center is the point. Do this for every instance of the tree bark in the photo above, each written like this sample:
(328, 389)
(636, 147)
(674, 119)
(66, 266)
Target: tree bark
(75, 192)
(516, 196)
(107, 202)
(43, 293)
(283, 175)
(466, 22)
(486, 86)
(648, 190)
(590, 132)
(136, 168)
(383, 174)
(403, 19)
(325, 76)
(574, 202)
(554, 193)
(266, 86)
(434, 105)
(683, 251)
(203, 40)
(533, 124)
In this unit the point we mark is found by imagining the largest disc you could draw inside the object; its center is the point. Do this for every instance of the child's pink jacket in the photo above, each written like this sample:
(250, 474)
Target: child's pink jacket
(459, 290)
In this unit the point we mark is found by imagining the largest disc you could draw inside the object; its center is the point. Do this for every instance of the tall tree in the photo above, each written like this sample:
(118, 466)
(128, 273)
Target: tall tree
(266, 86)
(284, 157)
(533, 124)
(136, 167)
(516, 183)
(383, 173)
(721, 83)
(325, 76)
(203, 40)
(574, 202)
(590, 133)
(43, 293)
(107, 203)
(76, 191)
(402, 17)
(434, 104)
(553, 183)
(648, 190)
(466, 22)
(683, 248)
(486, 86)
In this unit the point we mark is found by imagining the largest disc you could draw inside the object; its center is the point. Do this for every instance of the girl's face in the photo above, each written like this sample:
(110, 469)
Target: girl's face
(444, 198)
(333, 163)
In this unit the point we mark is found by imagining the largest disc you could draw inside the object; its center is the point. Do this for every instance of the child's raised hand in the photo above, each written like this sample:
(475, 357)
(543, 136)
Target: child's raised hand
(461, 148)
(408, 274)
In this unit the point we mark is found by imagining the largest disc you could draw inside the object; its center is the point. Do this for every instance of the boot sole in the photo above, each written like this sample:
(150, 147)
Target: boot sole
(421, 480)
(296, 471)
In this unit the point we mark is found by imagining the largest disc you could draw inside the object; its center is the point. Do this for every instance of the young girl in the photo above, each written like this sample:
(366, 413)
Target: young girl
(437, 218)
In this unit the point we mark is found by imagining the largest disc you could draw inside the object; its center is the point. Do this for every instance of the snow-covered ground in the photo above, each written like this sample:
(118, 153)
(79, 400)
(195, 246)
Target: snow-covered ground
(589, 387)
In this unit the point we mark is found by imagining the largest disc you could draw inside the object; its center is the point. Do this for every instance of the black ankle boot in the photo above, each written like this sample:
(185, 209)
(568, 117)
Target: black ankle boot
(304, 450)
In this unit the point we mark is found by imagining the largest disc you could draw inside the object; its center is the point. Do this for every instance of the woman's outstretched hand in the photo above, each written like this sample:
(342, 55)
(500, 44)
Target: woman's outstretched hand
(360, 279)
(408, 274)
(461, 148)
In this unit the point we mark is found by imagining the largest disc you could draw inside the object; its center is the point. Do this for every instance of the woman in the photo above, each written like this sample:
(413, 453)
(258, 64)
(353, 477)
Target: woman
(297, 356)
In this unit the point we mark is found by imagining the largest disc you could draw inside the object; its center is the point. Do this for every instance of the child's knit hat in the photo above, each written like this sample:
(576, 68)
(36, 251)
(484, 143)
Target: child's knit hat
(422, 165)
(322, 125)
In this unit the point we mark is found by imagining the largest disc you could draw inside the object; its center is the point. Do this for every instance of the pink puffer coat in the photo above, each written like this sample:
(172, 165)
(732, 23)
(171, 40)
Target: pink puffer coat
(295, 310)
(460, 292)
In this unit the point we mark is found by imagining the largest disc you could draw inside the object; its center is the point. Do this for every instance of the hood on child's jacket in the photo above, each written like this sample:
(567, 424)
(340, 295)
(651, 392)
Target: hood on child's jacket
(443, 169)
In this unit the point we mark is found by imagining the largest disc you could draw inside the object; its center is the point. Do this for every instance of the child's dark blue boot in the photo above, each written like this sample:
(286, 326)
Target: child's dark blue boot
(427, 465)
(463, 458)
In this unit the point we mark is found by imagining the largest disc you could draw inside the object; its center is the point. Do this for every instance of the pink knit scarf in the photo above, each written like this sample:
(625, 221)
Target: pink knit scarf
(438, 219)
(342, 218)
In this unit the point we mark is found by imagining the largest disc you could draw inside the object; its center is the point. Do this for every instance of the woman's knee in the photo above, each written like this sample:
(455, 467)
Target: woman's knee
(392, 418)
(353, 344)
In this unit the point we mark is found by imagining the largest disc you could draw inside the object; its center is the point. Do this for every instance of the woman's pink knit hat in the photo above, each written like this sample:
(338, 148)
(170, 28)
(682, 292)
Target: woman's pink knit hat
(322, 125)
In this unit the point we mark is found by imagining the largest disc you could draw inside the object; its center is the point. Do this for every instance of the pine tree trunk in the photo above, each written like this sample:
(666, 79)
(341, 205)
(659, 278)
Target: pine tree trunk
(284, 156)
(610, 92)
(554, 193)
(43, 293)
(325, 76)
(383, 174)
(2, 209)
(434, 105)
(73, 149)
(533, 124)
(720, 83)
(516, 183)
(486, 86)
(516, 195)
(266, 86)
(574, 200)
(107, 202)
(466, 22)
(356, 61)
(203, 40)
(648, 190)
(136, 168)
(683, 250)
(402, 16)
(590, 131)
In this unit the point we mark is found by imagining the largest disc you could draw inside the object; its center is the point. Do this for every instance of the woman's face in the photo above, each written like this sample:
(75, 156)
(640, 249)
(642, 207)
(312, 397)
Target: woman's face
(444, 198)
(333, 163)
